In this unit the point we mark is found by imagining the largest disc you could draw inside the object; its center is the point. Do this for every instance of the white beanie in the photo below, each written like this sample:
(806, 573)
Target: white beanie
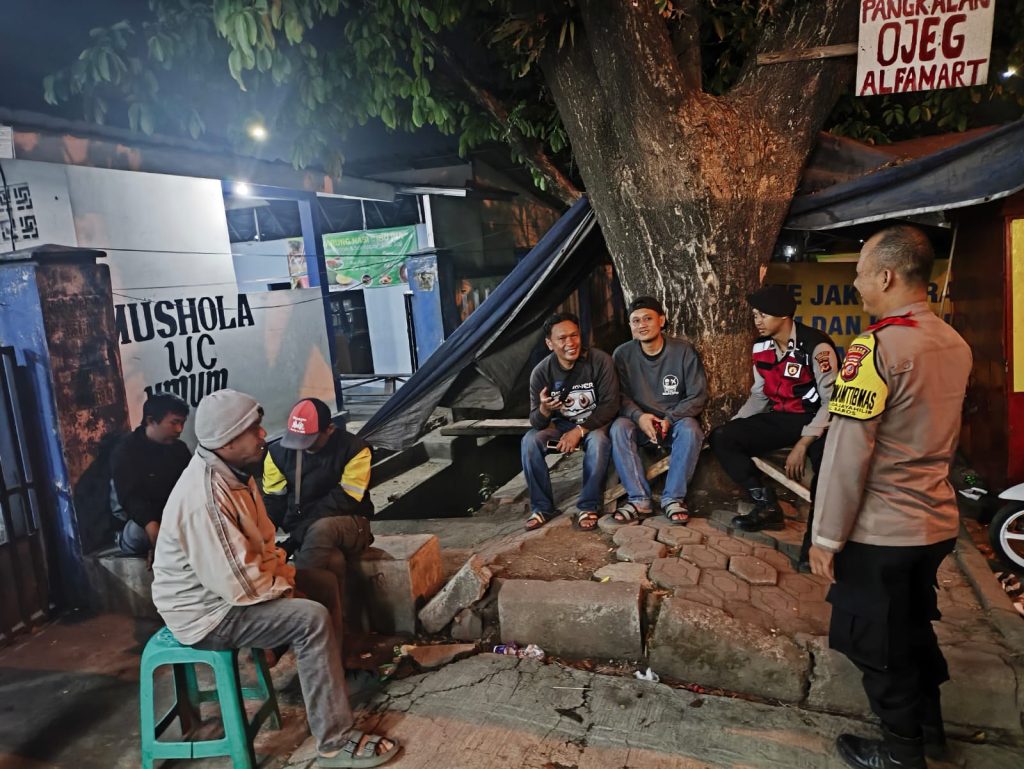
(224, 415)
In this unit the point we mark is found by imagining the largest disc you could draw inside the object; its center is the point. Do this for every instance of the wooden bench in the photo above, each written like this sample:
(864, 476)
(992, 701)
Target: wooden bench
(774, 466)
(483, 427)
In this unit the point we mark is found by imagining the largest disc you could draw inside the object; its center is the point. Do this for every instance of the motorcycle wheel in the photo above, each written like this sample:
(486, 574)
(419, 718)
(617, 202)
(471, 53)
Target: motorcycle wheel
(1006, 535)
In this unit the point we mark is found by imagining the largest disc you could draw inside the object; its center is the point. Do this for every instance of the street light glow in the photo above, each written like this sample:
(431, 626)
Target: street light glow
(242, 189)
(257, 132)
(1010, 72)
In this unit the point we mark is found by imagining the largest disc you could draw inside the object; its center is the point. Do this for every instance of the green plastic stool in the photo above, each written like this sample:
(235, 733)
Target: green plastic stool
(163, 649)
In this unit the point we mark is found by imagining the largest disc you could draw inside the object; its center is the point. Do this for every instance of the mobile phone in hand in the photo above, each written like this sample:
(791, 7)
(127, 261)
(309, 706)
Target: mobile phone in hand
(552, 445)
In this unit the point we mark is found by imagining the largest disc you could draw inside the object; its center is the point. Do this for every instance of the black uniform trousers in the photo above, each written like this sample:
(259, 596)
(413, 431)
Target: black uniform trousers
(737, 441)
(883, 605)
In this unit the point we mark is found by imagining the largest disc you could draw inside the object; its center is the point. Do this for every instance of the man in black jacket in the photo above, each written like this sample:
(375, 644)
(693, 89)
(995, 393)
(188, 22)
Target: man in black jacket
(144, 468)
(315, 487)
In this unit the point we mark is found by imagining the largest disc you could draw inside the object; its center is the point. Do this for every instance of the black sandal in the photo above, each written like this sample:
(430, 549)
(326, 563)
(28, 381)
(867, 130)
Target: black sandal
(628, 514)
(677, 513)
(582, 517)
(536, 520)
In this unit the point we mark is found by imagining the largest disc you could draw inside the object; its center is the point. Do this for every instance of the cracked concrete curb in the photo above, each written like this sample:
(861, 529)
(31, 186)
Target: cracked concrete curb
(997, 604)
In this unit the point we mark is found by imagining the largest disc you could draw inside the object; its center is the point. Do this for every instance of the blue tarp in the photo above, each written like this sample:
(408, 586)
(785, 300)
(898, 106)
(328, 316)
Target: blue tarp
(975, 171)
(486, 354)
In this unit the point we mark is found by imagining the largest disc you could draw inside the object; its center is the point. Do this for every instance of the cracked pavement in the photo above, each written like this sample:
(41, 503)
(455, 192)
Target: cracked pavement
(496, 712)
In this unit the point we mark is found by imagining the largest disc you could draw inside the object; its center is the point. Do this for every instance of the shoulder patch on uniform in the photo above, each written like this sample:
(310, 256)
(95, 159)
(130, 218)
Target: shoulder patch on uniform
(824, 361)
(859, 392)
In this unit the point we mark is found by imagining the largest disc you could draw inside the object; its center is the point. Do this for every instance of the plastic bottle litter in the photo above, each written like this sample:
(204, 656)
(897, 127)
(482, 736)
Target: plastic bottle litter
(531, 651)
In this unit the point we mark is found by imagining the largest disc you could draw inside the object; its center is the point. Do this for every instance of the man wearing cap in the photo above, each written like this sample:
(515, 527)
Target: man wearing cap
(315, 482)
(663, 390)
(794, 371)
(886, 514)
(219, 581)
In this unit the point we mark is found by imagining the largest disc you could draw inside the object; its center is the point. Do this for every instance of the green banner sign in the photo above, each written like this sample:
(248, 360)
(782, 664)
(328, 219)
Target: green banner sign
(368, 258)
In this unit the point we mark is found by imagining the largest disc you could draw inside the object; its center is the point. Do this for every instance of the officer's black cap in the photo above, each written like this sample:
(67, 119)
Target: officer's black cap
(773, 300)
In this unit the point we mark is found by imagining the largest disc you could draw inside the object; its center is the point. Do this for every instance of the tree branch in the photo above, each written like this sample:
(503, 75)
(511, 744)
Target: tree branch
(770, 86)
(633, 56)
(531, 150)
(686, 43)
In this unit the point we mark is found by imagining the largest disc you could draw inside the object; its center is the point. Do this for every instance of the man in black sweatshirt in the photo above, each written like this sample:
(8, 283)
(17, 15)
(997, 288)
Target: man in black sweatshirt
(664, 390)
(574, 395)
(144, 467)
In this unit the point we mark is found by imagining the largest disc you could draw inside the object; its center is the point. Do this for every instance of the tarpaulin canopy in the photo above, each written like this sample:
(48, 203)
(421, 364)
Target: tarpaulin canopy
(482, 361)
(977, 170)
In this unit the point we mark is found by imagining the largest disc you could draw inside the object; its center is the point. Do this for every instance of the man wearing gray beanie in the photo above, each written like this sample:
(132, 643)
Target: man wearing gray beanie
(220, 581)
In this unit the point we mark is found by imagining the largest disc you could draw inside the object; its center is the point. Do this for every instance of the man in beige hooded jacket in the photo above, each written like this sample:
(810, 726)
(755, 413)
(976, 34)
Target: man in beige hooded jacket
(220, 582)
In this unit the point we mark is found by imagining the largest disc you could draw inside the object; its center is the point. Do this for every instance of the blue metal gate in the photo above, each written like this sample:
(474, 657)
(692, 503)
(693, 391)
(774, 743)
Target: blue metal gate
(25, 595)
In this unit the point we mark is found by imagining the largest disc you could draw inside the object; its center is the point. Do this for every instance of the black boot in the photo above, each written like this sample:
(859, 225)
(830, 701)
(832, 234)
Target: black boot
(766, 513)
(891, 752)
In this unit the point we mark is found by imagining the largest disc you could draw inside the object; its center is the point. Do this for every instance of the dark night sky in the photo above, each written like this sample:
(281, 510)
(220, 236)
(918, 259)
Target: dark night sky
(38, 37)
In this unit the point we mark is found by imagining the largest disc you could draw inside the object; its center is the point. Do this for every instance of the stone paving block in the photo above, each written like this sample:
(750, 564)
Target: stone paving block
(400, 573)
(674, 572)
(462, 591)
(659, 522)
(571, 618)
(700, 595)
(769, 554)
(703, 645)
(755, 538)
(704, 556)
(817, 612)
(677, 536)
(804, 587)
(703, 525)
(728, 586)
(631, 533)
(789, 540)
(745, 612)
(776, 602)
(730, 545)
(624, 572)
(753, 570)
(641, 550)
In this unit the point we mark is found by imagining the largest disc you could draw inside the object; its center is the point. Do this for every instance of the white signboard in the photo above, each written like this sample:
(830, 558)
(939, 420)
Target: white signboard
(35, 207)
(6, 142)
(920, 45)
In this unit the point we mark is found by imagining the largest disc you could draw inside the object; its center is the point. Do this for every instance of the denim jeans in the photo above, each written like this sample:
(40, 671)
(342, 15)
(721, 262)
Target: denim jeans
(596, 448)
(684, 441)
(133, 539)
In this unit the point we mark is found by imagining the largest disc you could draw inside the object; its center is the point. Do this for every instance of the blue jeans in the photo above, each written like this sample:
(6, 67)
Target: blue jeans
(133, 539)
(596, 448)
(684, 441)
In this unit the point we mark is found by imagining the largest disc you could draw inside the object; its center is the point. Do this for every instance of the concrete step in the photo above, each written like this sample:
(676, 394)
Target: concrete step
(395, 488)
(120, 584)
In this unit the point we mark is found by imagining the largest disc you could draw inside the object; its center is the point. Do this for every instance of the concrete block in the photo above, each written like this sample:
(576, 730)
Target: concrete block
(677, 536)
(573, 619)
(462, 591)
(639, 550)
(753, 570)
(674, 572)
(727, 586)
(703, 645)
(625, 534)
(400, 573)
(624, 572)
(468, 625)
(704, 557)
(730, 545)
(120, 584)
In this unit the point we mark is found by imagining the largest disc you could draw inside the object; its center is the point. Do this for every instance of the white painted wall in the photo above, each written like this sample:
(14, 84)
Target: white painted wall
(167, 242)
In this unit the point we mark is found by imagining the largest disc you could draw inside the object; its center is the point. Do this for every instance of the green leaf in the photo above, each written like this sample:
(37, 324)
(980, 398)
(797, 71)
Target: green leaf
(430, 18)
(103, 64)
(49, 90)
(264, 59)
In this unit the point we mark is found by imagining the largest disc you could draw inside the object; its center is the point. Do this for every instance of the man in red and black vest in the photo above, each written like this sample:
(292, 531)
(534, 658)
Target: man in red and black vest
(794, 370)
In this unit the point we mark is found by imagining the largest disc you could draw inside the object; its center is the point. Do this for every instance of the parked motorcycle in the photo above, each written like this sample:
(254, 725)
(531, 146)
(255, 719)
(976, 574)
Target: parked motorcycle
(1006, 529)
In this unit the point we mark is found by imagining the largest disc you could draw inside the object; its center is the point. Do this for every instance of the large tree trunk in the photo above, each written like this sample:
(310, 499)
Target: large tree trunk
(690, 189)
